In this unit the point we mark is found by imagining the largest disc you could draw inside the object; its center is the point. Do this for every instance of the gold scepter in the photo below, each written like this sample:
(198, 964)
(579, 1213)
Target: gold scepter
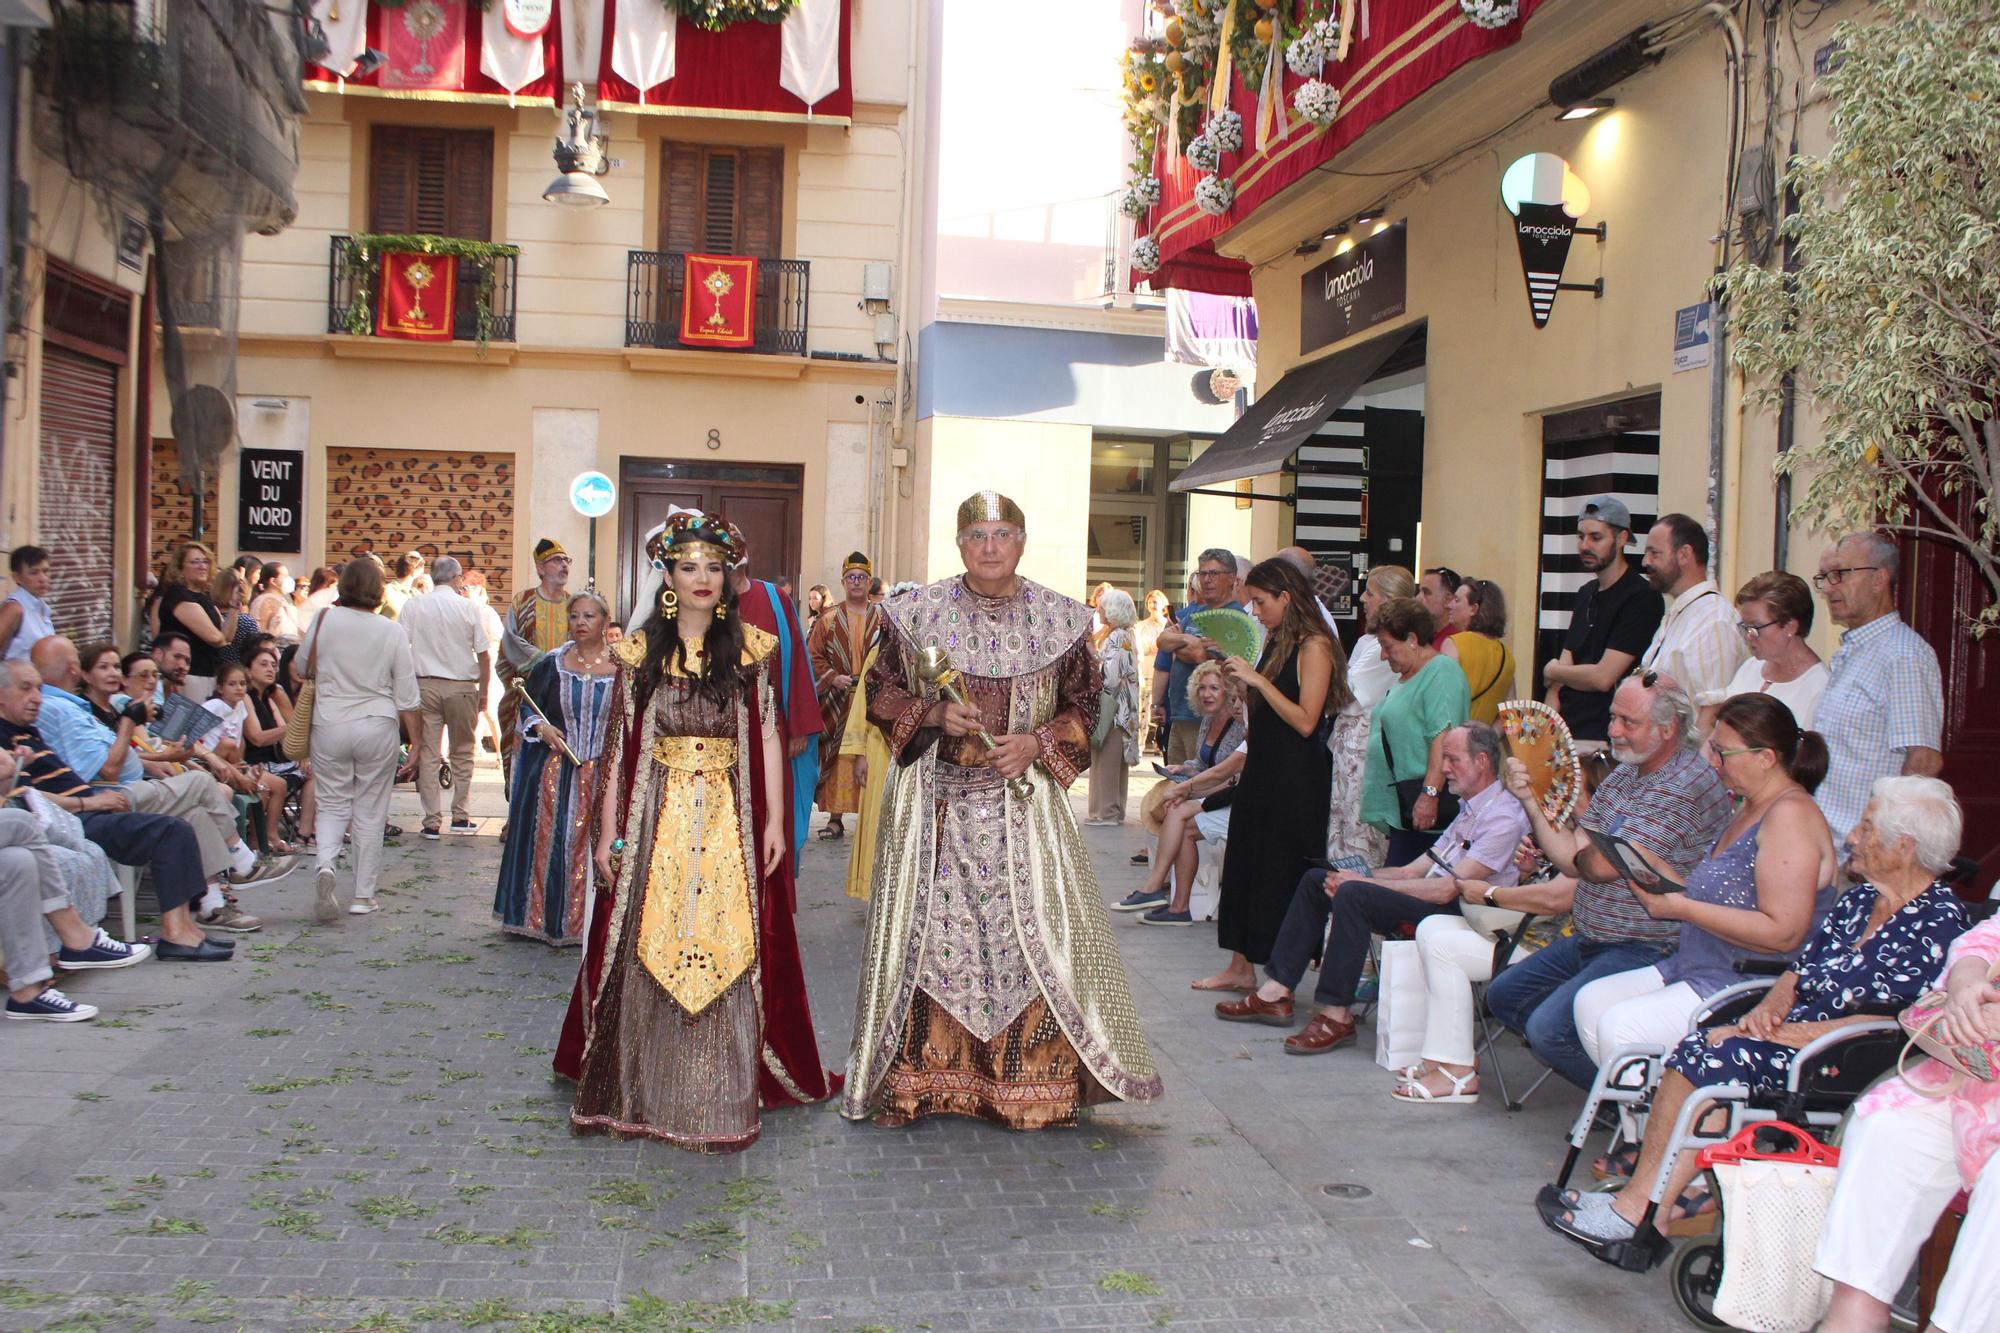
(515, 687)
(934, 668)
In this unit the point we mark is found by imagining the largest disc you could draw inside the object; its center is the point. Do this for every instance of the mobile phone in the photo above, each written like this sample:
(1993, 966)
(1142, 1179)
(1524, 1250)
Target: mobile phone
(1441, 863)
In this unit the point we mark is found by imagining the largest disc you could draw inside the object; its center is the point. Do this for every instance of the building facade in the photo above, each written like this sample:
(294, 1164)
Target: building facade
(468, 446)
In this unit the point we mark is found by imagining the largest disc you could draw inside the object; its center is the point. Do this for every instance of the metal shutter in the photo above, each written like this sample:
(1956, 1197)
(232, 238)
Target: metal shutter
(79, 466)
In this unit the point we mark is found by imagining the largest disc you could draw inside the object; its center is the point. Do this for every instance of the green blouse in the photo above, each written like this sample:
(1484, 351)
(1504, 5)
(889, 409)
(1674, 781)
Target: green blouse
(1416, 710)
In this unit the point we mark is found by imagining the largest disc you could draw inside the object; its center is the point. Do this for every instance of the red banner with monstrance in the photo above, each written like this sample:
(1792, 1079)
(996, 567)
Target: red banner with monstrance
(417, 296)
(719, 301)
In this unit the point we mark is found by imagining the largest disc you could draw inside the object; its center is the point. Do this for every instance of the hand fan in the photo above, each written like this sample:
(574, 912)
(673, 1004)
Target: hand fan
(1236, 633)
(1536, 735)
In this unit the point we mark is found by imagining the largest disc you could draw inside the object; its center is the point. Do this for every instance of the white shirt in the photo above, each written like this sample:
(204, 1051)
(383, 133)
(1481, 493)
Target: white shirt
(363, 669)
(446, 637)
(37, 623)
(232, 722)
(1698, 644)
(1368, 674)
(1801, 695)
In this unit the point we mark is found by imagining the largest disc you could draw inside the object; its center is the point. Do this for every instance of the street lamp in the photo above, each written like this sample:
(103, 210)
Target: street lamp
(579, 154)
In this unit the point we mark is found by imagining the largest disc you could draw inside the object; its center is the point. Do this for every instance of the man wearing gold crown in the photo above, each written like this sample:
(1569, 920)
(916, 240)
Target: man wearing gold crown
(990, 985)
(843, 640)
(536, 625)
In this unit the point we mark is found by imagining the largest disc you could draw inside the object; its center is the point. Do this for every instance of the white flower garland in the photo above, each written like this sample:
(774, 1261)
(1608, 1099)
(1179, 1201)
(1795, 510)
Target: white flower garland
(1146, 255)
(1142, 194)
(1225, 129)
(1202, 154)
(1315, 45)
(1317, 103)
(1214, 194)
(1490, 13)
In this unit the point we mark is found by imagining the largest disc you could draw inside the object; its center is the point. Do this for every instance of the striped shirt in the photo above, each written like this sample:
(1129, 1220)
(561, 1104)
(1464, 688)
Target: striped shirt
(42, 768)
(1676, 813)
(1884, 697)
(1698, 644)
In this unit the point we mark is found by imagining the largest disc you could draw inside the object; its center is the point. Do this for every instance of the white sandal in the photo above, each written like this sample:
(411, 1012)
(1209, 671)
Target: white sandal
(363, 906)
(1412, 1091)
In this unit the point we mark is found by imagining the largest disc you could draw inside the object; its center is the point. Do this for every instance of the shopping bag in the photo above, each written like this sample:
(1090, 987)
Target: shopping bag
(1399, 1013)
(1773, 1205)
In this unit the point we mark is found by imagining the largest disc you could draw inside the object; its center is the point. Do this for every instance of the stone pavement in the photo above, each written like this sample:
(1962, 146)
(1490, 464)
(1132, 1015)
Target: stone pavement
(354, 1127)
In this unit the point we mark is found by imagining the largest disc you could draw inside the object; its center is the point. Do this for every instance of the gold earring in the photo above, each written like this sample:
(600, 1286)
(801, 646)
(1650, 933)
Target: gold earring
(670, 601)
(721, 611)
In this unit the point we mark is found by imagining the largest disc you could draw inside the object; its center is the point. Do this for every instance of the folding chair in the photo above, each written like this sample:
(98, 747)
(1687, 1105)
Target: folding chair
(1491, 1029)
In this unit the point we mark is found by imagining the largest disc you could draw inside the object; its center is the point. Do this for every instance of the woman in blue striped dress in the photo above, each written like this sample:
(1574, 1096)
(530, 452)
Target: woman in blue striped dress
(545, 867)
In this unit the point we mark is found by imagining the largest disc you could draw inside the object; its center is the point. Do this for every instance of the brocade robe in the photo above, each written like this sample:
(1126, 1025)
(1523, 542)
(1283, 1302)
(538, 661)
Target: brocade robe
(840, 646)
(990, 983)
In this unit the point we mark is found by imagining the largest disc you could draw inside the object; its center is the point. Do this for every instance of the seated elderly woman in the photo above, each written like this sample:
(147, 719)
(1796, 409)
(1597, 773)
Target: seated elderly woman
(1875, 953)
(1760, 892)
(1914, 1142)
(1218, 760)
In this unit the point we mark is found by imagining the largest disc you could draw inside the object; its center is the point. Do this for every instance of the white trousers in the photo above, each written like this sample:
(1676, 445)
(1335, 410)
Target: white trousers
(354, 768)
(1636, 1008)
(1454, 956)
(1898, 1170)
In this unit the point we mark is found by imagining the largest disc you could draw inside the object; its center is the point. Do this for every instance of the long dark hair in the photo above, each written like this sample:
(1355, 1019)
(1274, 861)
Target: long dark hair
(1302, 622)
(724, 676)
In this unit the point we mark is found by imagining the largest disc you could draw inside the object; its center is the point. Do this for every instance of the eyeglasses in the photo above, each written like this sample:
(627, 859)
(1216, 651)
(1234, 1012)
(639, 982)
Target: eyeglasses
(1215, 573)
(1647, 677)
(1750, 631)
(977, 537)
(1724, 752)
(1833, 578)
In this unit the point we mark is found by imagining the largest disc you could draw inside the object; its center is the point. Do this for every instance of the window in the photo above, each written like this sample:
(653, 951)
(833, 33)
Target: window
(430, 182)
(727, 201)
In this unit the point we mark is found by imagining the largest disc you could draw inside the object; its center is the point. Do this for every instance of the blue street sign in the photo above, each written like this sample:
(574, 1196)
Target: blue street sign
(592, 494)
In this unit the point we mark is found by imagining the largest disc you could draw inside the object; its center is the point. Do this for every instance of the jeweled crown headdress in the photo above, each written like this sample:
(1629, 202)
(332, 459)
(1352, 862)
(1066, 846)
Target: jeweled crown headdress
(689, 532)
(990, 507)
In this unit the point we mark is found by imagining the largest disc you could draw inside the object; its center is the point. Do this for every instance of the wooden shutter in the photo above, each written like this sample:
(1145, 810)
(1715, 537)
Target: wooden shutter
(431, 182)
(727, 201)
(78, 494)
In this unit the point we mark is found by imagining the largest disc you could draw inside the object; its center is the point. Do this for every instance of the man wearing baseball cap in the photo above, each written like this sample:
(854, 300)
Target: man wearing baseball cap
(1613, 623)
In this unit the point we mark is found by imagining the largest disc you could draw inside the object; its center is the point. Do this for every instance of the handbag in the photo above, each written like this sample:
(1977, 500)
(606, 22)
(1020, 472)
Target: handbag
(1410, 789)
(297, 744)
(1773, 1208)
(1977, 1060)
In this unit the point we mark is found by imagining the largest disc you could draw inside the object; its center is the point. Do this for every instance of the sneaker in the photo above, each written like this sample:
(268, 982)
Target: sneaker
(1160, 916)
(326, 903)
(51, 1006)
(103, 952)
(432, 834)
(1368, 989)
(464, 826)
(266, 871)
(230, 917)
(1139, 900)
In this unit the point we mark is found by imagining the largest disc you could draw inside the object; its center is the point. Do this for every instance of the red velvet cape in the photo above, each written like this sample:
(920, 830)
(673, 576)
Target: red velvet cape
(788, 1026)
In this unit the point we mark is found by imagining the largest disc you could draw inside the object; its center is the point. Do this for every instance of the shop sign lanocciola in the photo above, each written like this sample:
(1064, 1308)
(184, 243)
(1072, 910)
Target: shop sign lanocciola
(719, 301)
(417, 296)
(527, 18)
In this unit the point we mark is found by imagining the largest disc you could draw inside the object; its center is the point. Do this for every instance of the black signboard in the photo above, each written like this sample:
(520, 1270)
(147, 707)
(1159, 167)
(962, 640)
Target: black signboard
(1355, 289)
(271, 500)
(1544, 233)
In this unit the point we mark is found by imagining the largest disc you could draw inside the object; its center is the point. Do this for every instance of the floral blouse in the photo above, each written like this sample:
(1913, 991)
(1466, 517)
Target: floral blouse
(1121, 677)
(1975, 1104)
(1839, 975)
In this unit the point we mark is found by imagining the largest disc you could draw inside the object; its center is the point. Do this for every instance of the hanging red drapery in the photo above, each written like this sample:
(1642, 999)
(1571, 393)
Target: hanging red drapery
(418, 293)
(719, 302)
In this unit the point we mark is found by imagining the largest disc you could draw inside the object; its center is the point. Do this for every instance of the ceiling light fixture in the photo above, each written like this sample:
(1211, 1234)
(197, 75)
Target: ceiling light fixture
(1368, 215)
(1585, 110)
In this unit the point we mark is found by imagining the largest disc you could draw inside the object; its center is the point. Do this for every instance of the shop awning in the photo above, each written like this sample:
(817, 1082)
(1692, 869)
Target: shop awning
(1276, 424)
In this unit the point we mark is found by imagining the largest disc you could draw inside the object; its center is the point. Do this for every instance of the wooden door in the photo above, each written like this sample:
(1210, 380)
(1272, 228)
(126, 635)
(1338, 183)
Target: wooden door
(765, 501)
(1940, 593)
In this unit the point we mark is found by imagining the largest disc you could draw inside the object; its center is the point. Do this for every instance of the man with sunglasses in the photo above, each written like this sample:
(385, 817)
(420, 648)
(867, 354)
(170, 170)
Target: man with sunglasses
(1181, 650)
(1882, 713)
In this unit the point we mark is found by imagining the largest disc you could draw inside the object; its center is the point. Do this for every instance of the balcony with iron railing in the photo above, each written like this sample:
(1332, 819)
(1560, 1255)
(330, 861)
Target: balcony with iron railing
(655, 287)
(482, 308)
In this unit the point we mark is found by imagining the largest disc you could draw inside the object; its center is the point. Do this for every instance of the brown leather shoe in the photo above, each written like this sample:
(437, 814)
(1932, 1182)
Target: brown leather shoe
(1322, 1034)
(1252, 1009)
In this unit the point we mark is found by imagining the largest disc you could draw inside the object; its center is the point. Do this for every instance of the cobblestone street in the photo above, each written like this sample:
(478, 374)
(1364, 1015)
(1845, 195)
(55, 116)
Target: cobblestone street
(355, 1127)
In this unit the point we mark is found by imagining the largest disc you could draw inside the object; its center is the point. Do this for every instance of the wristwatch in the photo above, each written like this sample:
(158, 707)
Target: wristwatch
(1490, 890)
(1430, 790)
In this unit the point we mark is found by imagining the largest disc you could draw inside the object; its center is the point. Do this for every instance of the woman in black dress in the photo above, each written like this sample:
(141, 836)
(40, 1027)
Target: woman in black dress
(1277, 823)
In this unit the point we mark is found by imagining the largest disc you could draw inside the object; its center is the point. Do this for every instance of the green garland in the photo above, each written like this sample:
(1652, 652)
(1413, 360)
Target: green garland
(715, 15)
(365, 265)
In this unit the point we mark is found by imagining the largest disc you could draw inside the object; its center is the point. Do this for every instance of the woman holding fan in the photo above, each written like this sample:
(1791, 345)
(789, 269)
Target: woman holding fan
(1277, 823)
